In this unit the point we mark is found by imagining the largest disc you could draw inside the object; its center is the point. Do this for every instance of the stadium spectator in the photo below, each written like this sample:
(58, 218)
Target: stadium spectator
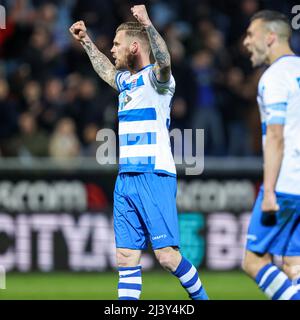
(31, 141)
(90, 145)
(88, 106)
(235, 111)
(31, 99)
(182, 70)
(53, 104)
(64, 143)
(206, 114)
(8, 118)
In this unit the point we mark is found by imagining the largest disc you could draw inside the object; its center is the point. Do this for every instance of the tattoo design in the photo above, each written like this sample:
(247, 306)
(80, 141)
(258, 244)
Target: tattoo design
(101, 63)
(160, 53)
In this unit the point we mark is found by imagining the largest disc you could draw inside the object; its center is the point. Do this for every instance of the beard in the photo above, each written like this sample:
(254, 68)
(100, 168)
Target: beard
(259, 57)
(127, 63)
(120, 65)
(131, 61)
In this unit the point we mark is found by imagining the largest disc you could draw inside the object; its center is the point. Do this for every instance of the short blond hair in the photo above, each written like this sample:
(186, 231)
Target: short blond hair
(276, 22)
(133, 29)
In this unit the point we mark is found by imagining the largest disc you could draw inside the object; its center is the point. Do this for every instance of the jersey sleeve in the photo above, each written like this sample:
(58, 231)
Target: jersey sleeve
(121, 78)
(275, 97)
(162, 87)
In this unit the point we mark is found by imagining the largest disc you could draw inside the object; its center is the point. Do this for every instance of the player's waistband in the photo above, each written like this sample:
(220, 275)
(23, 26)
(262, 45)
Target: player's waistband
(283, 194)
(124, 172)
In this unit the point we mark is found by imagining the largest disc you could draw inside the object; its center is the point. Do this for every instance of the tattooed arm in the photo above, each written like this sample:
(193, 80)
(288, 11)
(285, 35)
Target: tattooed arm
(162, 67)
(100, 62)
(104, 68)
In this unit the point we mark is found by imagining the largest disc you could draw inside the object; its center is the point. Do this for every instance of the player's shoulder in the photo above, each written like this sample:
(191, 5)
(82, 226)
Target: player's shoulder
(121, 75)
(150, 69)
(282, 67)
(146, 69)
(167, 87)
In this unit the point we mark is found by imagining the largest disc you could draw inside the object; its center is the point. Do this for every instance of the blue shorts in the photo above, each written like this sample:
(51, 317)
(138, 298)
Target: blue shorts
(281, 239)
(145, 210)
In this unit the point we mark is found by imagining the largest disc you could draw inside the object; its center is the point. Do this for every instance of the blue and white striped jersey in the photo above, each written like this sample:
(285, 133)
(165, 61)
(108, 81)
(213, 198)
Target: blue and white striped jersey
(144, 120)
(279, 103)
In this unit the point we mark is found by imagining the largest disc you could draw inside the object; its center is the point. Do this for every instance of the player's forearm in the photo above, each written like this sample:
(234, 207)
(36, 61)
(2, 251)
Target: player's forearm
(273, 154)
(104, 68)
(159, 48)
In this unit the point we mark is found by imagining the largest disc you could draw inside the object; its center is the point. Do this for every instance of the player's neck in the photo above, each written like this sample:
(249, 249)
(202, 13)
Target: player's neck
(140, 63)
(280, 51)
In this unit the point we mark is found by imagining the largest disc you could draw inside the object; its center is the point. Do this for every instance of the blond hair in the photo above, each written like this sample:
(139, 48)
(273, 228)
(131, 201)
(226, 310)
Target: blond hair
(133, 29)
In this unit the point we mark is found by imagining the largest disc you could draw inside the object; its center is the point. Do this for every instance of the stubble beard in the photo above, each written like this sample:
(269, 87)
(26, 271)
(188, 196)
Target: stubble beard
(128, 62)
(261, 57)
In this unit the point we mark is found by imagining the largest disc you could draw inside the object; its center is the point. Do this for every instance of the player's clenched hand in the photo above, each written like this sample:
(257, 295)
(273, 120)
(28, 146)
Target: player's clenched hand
(78, 30)
(269, 203)
(269, 208)
(141, 15)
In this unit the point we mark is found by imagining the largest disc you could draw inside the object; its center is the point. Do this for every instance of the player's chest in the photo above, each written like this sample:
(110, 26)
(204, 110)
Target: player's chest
(134, 93)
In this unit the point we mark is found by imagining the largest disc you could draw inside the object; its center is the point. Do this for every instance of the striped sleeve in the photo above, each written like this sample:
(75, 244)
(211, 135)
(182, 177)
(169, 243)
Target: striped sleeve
(275, 99)
(162, 87)
(276, 113)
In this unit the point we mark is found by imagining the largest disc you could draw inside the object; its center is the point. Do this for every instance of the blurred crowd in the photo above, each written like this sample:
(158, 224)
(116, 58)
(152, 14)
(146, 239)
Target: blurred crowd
(52, 103)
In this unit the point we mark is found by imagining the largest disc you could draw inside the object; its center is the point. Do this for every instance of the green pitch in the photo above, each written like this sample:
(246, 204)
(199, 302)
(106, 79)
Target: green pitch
(102, 286)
